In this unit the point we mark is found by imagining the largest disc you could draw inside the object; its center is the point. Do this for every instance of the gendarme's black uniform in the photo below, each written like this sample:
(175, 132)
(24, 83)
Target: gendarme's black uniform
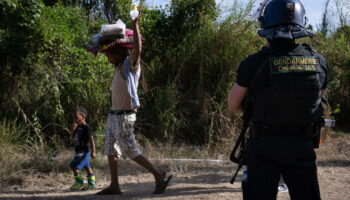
(285, 108)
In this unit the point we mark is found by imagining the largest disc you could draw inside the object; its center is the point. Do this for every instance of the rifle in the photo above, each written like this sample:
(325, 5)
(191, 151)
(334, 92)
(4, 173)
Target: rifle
(239, 158)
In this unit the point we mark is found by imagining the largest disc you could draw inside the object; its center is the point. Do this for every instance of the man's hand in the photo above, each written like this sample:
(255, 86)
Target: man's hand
(138, 17)
(93, 155)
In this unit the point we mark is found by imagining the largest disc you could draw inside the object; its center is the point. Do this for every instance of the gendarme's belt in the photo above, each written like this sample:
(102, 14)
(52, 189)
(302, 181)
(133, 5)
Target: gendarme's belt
(121, 112)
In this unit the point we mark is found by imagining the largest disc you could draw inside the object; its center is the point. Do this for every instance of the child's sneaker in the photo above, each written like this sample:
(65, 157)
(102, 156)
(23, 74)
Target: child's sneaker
(91, 183)
(79, 182)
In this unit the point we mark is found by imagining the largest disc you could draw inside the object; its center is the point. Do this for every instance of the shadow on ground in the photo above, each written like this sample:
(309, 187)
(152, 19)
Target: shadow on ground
(333, 163)
(183, 187)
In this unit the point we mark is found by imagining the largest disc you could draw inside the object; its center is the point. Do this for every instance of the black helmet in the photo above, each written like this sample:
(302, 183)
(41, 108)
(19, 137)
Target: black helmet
(284, 19)
(283, 12)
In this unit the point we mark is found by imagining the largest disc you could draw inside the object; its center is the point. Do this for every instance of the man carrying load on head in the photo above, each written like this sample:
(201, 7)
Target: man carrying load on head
(119, 133)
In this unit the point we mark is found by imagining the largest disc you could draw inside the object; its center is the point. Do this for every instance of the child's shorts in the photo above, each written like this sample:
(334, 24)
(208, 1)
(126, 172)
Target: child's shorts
(80, 160)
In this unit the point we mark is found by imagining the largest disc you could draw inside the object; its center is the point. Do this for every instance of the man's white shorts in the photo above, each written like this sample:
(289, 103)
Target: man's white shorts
(120, 137)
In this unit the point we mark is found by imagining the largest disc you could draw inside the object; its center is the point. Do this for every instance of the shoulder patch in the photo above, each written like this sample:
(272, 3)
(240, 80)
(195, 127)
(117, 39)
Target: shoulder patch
(293, 64)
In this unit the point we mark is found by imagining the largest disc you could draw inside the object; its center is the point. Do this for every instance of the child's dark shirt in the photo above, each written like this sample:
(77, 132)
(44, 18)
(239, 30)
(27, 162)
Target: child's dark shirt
(81, 138)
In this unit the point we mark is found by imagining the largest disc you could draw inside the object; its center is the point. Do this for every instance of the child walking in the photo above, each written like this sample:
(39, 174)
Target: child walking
(83, 141)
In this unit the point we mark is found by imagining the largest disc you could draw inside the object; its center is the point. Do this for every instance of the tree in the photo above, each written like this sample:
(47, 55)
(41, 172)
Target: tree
(325, 21)
(20, 36)
(342, 9)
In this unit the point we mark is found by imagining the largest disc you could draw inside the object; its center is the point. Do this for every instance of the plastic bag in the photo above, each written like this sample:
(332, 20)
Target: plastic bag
(117, 29)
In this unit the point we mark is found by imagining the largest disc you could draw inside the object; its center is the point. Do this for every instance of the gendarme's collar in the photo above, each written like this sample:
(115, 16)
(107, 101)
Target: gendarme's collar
(285, 32)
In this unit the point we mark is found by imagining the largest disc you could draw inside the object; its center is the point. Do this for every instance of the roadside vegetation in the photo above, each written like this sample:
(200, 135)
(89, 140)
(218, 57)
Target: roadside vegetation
(190, 57)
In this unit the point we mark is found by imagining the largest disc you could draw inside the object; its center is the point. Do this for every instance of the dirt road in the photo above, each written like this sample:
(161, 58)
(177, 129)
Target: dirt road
(191, 180)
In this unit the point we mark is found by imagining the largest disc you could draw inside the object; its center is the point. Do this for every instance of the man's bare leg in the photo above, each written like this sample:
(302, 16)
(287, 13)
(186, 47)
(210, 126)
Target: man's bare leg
(113, 168)
(144, 162)
(160, 177)
(114, 186)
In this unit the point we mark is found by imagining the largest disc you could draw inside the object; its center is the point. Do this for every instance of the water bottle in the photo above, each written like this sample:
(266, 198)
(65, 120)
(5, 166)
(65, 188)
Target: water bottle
(245, 184)
(133, 11)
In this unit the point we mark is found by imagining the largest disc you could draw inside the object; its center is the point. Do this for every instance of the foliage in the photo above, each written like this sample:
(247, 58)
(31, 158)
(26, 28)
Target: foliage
(20, 36)
(190, 80)
(181, 19)
(73, 76)
(13, 133)
(190, 57)
(58, 75)
(336, 49)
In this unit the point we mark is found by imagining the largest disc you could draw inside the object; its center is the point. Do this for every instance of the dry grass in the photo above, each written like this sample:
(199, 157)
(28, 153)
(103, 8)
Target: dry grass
(18, 171)
(10, 168)
(335, 149)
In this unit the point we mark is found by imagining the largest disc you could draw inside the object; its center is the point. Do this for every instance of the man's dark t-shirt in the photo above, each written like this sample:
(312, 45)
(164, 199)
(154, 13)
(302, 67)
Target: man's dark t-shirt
(81, 138)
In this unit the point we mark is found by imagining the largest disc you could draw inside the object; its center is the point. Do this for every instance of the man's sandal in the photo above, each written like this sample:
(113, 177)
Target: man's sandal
(161, 186)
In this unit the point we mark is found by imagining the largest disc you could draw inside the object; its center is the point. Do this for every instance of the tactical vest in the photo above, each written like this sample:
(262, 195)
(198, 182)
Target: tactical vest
(292, 95)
